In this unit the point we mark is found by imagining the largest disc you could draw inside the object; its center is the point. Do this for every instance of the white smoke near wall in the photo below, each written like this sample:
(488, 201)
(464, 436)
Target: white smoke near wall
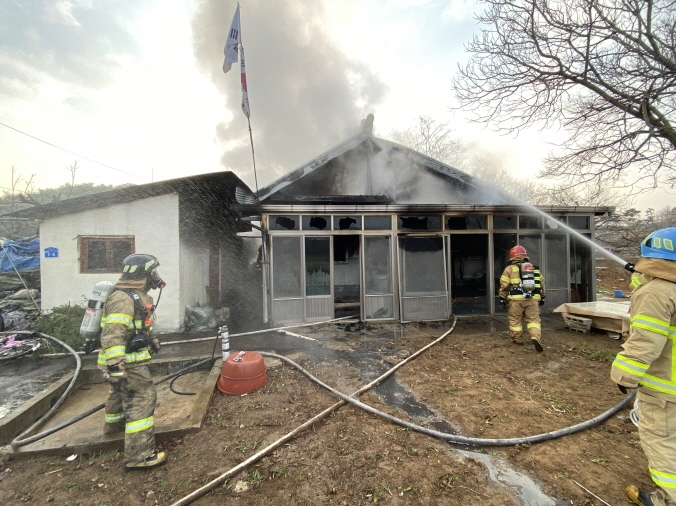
(303, 91)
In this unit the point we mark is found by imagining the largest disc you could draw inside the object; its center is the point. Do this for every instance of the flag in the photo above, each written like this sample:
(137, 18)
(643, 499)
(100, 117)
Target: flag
(245, 93)
(232, 44)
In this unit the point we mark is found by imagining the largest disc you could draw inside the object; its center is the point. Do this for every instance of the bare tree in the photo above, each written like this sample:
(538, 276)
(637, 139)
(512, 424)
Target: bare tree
(72, 168)
(604, 70)
(432, 138)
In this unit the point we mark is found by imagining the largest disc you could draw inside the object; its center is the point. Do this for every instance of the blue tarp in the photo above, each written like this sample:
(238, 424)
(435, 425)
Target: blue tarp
(23, 253)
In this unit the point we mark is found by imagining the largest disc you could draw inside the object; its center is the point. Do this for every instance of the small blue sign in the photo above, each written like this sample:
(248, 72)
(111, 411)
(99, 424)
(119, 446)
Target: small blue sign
(51, 252)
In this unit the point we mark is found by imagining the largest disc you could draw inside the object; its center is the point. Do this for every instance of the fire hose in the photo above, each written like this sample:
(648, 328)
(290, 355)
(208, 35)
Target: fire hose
(352, 399)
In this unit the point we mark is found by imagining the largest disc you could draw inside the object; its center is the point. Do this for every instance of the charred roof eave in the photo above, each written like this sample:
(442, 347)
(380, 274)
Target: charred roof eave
(329, 199)
(275, 208)
(317, 162)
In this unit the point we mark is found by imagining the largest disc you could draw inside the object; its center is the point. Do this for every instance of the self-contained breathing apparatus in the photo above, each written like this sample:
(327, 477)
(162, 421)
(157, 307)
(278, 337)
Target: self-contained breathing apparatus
(90, 329)
(527, 272)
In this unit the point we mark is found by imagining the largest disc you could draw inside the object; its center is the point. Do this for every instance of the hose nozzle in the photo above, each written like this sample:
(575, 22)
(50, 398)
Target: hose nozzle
(630, 267)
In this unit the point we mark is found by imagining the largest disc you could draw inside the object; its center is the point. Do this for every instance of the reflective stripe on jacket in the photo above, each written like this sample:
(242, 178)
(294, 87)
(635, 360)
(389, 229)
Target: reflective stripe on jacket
(649, 356)
(118, 324)
(511, 279)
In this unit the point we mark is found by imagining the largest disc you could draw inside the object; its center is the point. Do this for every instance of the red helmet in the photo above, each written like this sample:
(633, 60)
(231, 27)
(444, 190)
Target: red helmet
(517, 250)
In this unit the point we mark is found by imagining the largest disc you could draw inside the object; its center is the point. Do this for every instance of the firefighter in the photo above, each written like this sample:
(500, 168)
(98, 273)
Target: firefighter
(648, 362)
(126, 344)
(522, 290)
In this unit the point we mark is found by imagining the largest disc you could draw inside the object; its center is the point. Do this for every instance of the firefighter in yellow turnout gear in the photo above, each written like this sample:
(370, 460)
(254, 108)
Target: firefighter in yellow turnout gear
(648, 361)
(522, 290)
(126, 343)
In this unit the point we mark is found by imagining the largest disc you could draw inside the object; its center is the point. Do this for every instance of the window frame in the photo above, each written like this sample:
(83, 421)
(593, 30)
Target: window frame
(83, 242)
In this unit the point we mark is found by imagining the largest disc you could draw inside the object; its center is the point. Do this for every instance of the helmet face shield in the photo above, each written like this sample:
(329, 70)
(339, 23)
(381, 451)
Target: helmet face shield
(155, 281)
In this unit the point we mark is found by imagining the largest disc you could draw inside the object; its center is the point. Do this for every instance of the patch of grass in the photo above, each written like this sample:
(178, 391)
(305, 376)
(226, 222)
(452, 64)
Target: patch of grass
(590, 352)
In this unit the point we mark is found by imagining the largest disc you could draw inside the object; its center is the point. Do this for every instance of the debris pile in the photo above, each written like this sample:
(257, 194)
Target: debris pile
(19, 283)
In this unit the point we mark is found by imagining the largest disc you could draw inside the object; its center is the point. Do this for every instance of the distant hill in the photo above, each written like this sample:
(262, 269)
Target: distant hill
(15, 202)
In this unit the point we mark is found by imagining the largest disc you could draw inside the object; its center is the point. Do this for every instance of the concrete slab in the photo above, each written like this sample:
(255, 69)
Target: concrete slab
(175, 414)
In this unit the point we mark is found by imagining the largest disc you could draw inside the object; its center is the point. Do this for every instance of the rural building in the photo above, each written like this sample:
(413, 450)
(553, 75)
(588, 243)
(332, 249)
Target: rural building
(188, 223)
(379, 231)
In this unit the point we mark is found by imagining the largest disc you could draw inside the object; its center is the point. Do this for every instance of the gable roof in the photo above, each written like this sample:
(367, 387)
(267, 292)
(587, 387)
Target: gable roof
(224, 188)
(367, 169)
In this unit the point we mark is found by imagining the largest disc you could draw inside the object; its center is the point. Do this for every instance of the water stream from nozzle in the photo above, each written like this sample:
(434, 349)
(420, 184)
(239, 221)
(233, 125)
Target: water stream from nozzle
(577, 234)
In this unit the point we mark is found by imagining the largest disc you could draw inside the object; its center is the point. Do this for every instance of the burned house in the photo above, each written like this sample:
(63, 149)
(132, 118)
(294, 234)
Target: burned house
(377, 231)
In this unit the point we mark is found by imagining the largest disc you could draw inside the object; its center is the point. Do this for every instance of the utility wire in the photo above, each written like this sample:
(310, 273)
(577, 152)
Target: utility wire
(68, 151)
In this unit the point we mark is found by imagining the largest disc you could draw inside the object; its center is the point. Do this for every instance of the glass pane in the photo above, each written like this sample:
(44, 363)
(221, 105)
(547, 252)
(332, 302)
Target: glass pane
(121, 250)
(423, 259)
(504, 222)
(530, 222)
(286, 267)
(472, 222)
(96, 255)
(317, 266)
(284, 223)
(556, 275)
(553, 222)
(419, 222)
(580, 270)
(469, 277)
(347, 223)
(533, 245)
(346, 279)
(579, 222)
(377, 265)
(316, 223)
(377, 223)
(502, 243)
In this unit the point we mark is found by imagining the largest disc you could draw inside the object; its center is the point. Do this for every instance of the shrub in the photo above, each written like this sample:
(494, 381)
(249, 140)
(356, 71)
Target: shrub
(63, 323)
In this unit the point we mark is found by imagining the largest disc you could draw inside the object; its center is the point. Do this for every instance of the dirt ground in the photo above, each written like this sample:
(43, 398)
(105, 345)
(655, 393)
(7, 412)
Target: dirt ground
(474, 380)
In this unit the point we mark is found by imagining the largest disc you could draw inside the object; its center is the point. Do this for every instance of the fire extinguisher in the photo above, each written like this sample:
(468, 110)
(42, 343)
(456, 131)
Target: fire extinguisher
(90, 329)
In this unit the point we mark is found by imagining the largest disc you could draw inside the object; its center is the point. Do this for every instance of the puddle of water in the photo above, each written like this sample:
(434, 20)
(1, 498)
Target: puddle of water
(529, 491)
(20, 381)
(394, 394)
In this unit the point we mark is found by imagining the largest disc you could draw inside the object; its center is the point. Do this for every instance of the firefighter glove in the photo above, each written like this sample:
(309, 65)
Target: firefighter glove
(154, 346)
(542, 301)
(622, 388)
(503, 302)
(115, 374)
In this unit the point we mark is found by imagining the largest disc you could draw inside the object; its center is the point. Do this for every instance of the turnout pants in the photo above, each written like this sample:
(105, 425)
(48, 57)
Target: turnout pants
(657, 430)
(130, 407)
(528, 310)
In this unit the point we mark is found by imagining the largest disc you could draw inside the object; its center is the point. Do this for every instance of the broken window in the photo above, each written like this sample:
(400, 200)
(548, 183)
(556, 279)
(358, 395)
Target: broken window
(419, 222)
(284, 223)
(377, 223)
(316, 223)
(471, 222)
(103, 254)
(347, 223)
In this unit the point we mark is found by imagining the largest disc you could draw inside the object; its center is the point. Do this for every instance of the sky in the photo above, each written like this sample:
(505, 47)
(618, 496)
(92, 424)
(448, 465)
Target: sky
(133, 90)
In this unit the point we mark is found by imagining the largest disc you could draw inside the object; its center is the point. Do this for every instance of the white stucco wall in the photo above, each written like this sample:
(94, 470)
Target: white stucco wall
(154, 224)
(194, 275)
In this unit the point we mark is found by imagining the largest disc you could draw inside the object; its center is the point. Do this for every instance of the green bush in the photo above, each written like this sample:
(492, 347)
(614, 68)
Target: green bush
(63, 323)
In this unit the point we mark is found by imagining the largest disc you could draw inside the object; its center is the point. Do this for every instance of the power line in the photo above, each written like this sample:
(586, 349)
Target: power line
(68, 151)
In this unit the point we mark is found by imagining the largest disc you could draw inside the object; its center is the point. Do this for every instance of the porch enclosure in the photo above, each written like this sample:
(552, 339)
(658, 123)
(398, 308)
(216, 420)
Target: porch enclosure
(412, 268)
